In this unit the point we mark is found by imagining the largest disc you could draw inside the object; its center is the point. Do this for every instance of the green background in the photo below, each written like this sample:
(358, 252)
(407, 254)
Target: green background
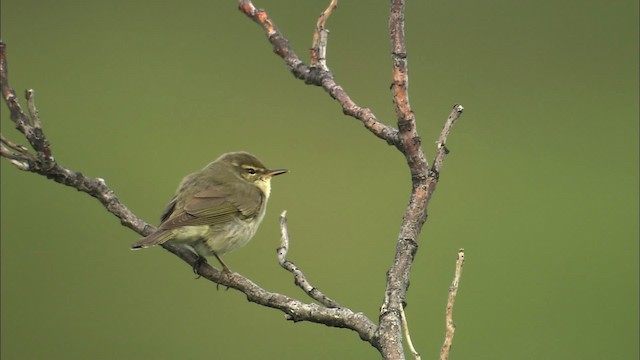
(541, 186)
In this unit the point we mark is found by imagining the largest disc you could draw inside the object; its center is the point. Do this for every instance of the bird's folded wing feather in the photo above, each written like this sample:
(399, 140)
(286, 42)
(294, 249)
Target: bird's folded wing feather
(214, 205)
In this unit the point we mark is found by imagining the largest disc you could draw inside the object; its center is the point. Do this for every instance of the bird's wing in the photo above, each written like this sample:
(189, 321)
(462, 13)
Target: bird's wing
(156, 238)
(215, 205)
(160, 235)
(168, 210)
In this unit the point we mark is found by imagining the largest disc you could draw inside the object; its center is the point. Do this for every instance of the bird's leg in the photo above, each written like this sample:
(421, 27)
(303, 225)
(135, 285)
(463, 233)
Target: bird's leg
(225, 268)
(201, 260)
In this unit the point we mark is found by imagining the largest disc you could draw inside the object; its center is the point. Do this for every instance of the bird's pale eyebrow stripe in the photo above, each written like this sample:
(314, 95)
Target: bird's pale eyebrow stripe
(248, 167)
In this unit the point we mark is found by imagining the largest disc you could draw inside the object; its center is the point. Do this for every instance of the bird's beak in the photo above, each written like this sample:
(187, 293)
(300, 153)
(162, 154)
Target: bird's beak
(275, 172)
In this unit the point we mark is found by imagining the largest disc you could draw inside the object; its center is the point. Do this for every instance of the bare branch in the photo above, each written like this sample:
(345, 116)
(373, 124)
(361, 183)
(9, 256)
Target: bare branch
(442, 150)
(453, 291)
(33, 112)
(23, 124)
(317, 76)
(318, 52)
(389, 329)
(16, 153)
(407, 336)
(400, 85)
(299, 278)
(295, 310)
(406, 139)
(44, 164)
(387, 337)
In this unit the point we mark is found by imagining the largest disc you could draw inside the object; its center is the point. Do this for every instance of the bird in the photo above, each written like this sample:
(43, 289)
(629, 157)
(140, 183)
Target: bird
(217, 209)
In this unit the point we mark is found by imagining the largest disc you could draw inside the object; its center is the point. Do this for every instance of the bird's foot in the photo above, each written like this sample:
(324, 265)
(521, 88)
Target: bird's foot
(201, 260)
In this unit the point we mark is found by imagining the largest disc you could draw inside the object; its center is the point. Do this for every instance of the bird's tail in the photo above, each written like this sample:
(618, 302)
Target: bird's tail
(157, 238)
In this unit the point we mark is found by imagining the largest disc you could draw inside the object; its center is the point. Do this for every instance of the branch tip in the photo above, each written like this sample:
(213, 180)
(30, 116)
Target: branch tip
(453, 291)
(318, 51)
(442, 150)
(299, 278)
(405, 327)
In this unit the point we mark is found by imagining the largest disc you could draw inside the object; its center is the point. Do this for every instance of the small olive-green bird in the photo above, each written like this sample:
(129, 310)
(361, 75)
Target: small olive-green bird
(217, 209)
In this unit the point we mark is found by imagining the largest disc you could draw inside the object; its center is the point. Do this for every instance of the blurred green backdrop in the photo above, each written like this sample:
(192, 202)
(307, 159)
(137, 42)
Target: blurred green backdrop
(541, 187)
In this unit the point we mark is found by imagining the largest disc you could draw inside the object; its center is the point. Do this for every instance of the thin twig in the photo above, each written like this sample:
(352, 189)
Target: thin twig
(442, 149)
(23, 123)
(16, 159)
(17, 147)
(407, 336)
(33, 112)
(299, 278)
(9, 96)
(453, 291)
(318, 52)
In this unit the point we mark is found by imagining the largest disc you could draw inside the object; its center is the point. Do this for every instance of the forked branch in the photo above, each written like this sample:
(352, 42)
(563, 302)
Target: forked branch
(387, 336)
(317, 75)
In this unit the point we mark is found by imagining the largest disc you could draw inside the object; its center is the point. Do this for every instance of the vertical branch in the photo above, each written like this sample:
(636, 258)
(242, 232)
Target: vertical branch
(400, 85)
(32, 131)
(318, 52)
(453, 291)
(416, 213)
(407, 335)
(388, 335)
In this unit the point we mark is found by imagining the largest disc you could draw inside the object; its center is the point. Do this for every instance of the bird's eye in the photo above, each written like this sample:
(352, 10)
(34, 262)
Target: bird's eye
(251, 171)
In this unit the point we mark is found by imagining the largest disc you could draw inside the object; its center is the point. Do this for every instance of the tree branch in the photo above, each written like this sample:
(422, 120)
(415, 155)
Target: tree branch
(416, 214)
(44, 164)
(453, 291)
(316, 75)
(387, 337)
(405, 138)
(299, 279)
(318, 52)
(442, 150)
(407, 335)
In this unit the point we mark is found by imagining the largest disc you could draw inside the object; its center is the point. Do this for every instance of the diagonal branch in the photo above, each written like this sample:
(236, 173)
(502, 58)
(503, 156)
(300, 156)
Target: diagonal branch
(387, 337)
(299, 278)
(442, 151)
(317, 76)
(295, 310)
(44, 164)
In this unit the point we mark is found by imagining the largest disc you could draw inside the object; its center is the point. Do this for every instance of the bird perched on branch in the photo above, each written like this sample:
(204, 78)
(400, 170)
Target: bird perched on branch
(217, 209)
